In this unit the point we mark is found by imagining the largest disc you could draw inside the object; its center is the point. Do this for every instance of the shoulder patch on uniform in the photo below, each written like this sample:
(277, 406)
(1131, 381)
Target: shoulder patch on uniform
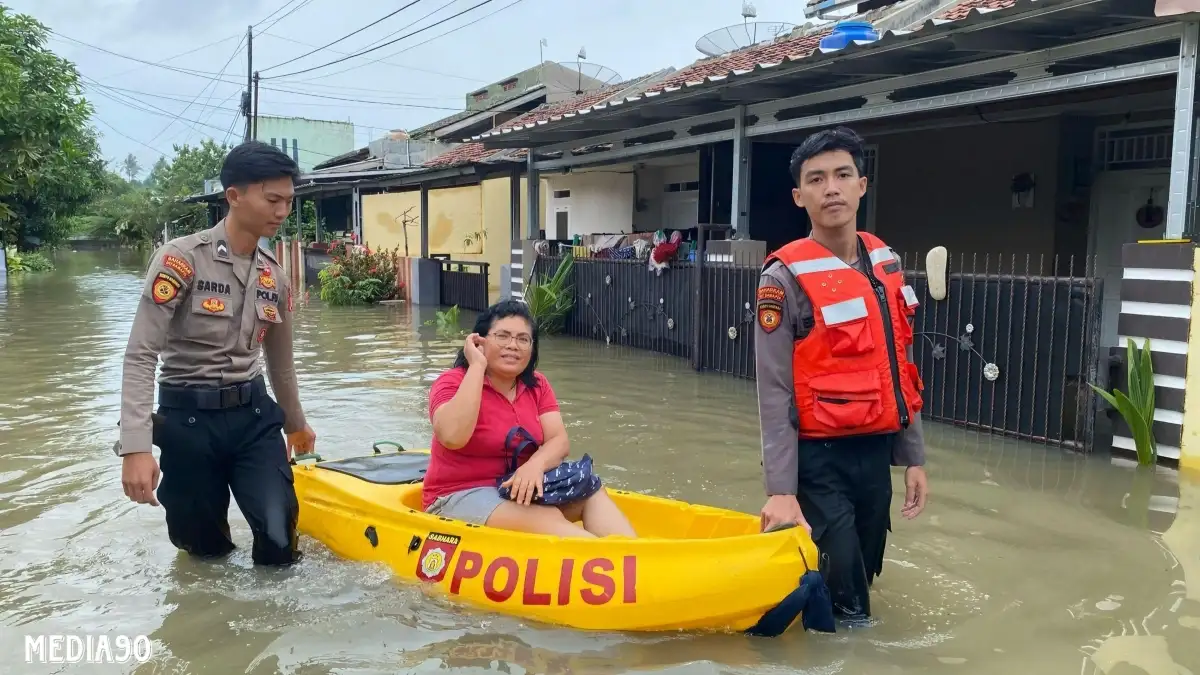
(165, 288)
(770, 293)
(769, 316)
(179, 265)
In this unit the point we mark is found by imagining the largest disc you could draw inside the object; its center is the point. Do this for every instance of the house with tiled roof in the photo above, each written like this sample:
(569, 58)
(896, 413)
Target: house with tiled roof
(460, 202)
(1032, 145)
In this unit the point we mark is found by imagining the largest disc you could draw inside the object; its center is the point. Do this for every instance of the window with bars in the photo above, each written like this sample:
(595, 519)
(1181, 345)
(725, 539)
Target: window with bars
(1128, 148)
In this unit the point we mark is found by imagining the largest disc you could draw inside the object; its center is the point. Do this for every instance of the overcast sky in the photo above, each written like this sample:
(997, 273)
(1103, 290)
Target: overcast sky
(412, 85)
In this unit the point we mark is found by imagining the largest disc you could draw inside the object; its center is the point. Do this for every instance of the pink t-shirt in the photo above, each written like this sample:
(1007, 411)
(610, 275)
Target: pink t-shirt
(484, 458)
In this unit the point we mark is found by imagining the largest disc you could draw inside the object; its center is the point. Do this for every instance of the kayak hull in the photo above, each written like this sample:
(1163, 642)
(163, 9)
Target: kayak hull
(692, 567)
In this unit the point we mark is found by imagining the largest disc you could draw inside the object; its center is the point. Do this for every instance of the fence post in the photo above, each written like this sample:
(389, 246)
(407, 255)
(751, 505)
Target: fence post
(697, 296)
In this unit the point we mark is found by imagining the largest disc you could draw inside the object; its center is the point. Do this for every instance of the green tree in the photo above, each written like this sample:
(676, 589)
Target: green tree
(50, 163)
(131, 167)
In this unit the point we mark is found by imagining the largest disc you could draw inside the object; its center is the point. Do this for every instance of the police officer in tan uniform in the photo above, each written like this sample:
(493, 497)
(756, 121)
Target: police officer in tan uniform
(834, 482)
(210, 302)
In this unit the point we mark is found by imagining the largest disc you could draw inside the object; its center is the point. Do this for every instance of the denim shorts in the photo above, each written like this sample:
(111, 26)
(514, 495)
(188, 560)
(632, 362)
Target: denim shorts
(473, 505)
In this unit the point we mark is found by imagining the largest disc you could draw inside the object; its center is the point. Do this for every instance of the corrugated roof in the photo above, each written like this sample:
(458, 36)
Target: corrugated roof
(464, 114)
(471, 152)
(752, 59)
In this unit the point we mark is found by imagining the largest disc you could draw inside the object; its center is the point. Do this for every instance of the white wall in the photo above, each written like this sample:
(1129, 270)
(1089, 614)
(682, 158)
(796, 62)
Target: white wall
(601, 202)
(667, 209)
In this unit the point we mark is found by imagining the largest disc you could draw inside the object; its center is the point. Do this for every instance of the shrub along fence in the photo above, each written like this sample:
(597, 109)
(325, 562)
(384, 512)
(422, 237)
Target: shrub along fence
(1008, 351)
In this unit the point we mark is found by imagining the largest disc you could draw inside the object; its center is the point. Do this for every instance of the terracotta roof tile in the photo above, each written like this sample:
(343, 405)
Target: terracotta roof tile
(777, 51)
(961, 10)
(469, 153)
(791, 47)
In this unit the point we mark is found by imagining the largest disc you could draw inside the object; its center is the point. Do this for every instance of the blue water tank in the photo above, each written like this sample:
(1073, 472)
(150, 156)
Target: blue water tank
(846, 32)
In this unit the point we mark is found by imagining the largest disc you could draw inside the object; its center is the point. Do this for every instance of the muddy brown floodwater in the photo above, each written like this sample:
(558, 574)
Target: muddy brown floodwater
(1028, 560)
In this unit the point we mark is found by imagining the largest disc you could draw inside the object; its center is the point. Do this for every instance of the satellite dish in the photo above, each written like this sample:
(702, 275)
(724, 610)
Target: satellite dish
(592, 72)
(742, 35)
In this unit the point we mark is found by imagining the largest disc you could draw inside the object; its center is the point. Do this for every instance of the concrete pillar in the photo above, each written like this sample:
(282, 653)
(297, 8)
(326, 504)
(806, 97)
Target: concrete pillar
(1181, 138)
(1157, 302)
(533, 179)
(740, 199)
(514, 203)
(424, 220)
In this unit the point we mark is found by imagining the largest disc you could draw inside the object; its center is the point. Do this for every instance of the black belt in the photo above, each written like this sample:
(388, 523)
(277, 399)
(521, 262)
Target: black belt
(212, 398)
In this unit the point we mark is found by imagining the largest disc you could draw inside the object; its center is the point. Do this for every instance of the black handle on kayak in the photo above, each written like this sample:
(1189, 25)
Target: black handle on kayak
(376, 444)
(303, 456)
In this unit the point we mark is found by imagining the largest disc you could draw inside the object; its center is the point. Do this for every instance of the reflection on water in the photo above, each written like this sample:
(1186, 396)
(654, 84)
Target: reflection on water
(1027, 558)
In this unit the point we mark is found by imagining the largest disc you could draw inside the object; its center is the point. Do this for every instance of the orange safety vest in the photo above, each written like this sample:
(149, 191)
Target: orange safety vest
(851, 373)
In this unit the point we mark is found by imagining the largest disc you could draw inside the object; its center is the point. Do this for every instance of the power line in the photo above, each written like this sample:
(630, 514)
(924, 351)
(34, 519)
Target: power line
(302, 5)
(348, 35)
(397, 53)
(402, 37)
(182, 54)
(386, 63)
(237, 50)
(122, 133)
(186, 71)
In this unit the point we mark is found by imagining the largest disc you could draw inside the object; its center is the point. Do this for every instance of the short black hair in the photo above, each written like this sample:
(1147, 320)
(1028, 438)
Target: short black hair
(502, 310)
(255, 162)
(828, 140)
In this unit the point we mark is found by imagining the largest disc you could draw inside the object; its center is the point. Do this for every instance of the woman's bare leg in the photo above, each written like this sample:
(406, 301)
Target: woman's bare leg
(603, 518)
(535, 519)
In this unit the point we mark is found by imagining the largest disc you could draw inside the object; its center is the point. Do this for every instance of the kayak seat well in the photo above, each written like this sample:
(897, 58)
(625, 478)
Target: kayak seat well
(391, 469)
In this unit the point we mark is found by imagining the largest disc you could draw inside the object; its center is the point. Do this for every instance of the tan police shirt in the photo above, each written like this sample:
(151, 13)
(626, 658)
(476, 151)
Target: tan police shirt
(773, 365)
(207, 312)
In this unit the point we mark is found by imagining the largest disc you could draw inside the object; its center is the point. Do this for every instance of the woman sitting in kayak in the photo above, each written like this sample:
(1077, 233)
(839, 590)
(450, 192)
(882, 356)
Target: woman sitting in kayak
(492, 388)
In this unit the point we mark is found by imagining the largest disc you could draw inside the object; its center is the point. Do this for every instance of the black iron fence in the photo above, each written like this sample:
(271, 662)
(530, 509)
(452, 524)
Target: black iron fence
(1008, 350)
(464, 283)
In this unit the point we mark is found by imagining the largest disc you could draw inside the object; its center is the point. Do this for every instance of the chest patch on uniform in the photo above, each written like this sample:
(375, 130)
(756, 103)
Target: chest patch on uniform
(180, 266)
(268, 312)
(262, 334)
(269, 296)
(165, 288)
(219, 287)
(214, 305)
(265, 280)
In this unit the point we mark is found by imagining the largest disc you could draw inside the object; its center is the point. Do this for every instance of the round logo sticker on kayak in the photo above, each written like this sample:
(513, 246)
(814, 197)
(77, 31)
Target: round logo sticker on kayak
(435, 556)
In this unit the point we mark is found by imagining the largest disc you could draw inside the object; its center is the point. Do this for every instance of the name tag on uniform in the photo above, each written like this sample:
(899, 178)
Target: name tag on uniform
(268, 296)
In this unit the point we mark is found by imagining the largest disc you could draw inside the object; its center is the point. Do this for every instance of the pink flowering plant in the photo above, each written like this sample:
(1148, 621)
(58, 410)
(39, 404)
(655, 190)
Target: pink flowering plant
(359, 276)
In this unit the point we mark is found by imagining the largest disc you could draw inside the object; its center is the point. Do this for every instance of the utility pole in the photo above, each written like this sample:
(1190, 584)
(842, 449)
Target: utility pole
(254, 132)
(246, 110)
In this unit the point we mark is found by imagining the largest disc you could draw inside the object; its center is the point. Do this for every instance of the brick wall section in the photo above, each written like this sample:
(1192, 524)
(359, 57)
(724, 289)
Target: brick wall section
(1156, 299)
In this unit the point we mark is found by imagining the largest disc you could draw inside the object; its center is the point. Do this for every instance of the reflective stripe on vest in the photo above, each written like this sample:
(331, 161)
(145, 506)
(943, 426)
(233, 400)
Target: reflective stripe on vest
(910, 296)
(844, 312)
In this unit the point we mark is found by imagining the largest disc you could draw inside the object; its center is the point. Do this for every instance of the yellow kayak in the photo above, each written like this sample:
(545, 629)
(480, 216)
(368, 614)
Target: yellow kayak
(693, 567)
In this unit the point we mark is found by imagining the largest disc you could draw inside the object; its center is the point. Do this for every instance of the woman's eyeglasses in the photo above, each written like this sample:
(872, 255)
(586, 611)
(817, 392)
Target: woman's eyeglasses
(505, 339)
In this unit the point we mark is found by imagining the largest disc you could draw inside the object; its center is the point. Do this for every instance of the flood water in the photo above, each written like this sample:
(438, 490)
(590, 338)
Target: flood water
(1027, 559)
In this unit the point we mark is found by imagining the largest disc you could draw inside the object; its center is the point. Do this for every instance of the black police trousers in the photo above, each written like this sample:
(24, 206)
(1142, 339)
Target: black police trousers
(846, 495)
(208, 452)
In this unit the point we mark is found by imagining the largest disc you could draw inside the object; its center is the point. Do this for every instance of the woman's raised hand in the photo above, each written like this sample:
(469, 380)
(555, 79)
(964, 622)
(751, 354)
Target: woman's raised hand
(473, 350)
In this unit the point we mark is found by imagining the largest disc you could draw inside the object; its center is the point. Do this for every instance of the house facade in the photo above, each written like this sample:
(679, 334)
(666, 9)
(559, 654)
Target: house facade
(1038, 142)
(309, 142)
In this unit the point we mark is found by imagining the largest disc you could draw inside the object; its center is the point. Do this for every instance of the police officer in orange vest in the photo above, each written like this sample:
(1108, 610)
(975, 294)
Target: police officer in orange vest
(839, 397)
